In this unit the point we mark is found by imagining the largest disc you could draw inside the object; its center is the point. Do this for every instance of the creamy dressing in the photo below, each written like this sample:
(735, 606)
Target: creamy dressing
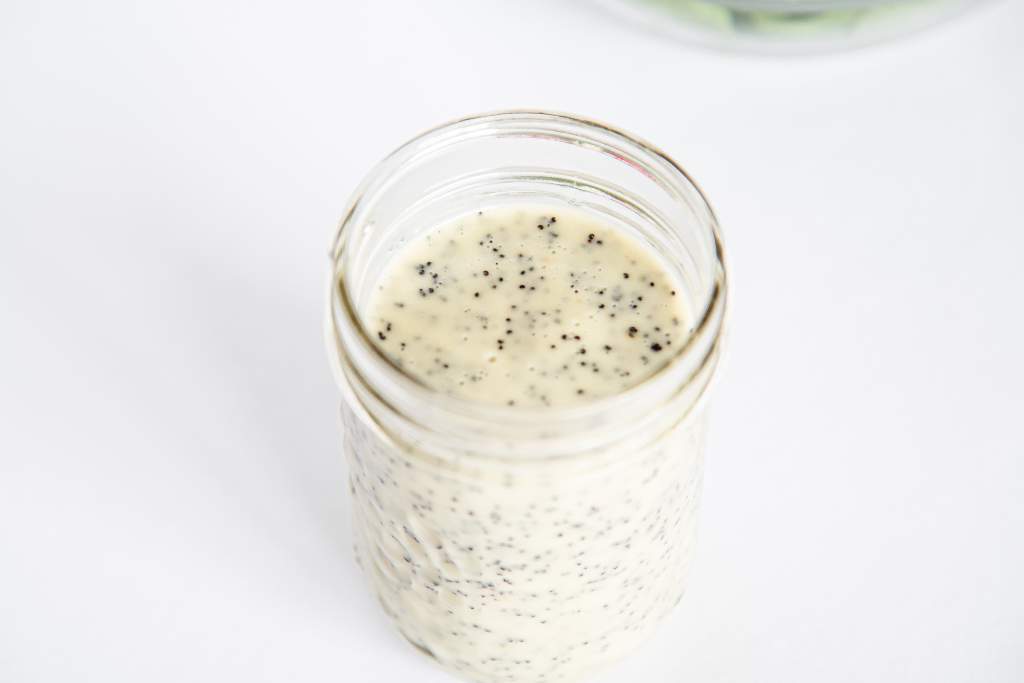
(528, 307)
(524, 571)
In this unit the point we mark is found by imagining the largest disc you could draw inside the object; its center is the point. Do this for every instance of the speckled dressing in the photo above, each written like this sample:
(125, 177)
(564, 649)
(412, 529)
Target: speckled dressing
(519, 570)
(535, 307)
(526, 572)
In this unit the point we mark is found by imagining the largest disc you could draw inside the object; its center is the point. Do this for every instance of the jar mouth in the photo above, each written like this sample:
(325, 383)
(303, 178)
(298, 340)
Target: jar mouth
(355, 355)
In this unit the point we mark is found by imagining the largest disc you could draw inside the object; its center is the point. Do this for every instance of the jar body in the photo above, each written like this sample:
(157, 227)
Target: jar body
(514, 543)
(526, 571)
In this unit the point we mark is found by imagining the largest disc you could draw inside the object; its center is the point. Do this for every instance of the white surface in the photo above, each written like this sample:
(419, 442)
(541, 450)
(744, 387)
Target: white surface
(172, 497)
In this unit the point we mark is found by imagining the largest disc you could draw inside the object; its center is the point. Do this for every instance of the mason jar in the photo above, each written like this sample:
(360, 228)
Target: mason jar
(511, 543)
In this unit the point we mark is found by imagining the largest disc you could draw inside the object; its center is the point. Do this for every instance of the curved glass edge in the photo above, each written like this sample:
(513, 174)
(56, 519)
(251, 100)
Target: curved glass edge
(351, 338)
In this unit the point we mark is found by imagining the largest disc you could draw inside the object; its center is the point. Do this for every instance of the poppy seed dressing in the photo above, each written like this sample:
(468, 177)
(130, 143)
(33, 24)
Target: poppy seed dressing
(509, 569)
(528, 308)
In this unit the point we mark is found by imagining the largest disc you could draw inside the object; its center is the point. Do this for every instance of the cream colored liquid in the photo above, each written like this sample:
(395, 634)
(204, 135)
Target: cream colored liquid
(528, 307)
(523, 571)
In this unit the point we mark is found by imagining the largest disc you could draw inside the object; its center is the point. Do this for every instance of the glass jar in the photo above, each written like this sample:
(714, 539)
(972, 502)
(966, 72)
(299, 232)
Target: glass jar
(511, 543)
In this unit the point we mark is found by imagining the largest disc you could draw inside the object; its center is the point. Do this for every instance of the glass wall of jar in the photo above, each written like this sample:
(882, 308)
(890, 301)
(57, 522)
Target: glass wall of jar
(511, 543)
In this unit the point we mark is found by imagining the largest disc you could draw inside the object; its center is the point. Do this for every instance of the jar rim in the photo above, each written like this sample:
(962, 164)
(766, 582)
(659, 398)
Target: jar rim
(709, 322)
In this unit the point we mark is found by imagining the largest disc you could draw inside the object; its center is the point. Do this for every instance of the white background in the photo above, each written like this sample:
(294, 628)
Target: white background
(173, 503)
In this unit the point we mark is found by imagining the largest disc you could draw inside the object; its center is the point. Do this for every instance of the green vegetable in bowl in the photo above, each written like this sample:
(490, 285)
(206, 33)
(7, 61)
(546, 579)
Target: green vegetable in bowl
(788, 24)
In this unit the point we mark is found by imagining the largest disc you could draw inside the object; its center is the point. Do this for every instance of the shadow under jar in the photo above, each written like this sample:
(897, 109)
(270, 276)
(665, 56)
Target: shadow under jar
(516, 543)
